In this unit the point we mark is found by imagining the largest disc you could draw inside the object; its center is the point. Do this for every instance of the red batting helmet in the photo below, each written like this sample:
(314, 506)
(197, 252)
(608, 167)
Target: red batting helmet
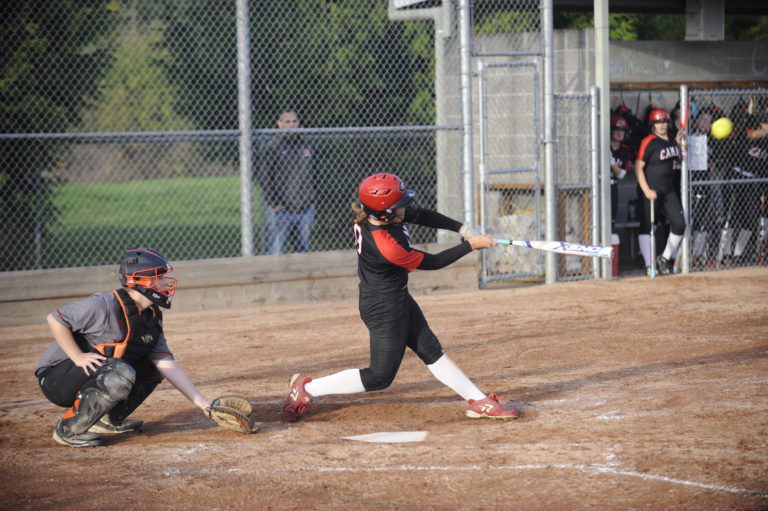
(619, 123)
(145, 271)
(381, 194)
(658, 115)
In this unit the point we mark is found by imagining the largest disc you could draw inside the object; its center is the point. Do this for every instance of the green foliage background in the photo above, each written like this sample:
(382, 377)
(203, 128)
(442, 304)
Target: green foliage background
(158, 65)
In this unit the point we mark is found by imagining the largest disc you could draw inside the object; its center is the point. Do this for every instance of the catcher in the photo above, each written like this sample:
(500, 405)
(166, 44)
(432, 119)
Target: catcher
(110, 353)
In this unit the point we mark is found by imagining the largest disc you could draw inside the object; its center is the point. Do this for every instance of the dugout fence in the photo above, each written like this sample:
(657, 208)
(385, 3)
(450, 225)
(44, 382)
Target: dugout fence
(727, 187)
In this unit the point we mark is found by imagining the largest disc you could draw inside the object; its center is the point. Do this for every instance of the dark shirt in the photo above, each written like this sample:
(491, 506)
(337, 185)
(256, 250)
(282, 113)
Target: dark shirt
(288, 173)
(661, 158)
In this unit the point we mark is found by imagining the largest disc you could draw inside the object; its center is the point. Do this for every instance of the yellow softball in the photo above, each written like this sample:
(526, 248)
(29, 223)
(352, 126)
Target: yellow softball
(722, 127)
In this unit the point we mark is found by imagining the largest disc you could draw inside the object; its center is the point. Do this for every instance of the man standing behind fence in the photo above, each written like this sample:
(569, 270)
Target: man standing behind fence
(289, 181)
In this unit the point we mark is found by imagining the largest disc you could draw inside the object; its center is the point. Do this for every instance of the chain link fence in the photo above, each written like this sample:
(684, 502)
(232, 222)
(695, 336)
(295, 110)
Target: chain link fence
(510, 165)
(728, 179)
(575, 194)
(121, 126)
(506, 45)
(120, 123)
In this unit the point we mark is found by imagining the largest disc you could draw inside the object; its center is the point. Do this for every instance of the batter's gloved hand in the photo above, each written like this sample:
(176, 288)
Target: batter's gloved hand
(467, 232)
(232, 412)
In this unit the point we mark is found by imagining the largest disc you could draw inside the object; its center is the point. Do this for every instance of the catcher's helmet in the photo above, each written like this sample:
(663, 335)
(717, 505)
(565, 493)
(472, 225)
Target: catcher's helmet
(658, 115)
(145, 271)
(381, 194)
(619, 123)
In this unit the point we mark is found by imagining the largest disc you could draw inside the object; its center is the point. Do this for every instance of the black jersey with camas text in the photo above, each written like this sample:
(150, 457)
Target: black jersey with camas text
(661, 158)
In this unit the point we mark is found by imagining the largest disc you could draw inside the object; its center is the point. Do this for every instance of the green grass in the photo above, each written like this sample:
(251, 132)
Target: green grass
(150, 203)
(185, 218)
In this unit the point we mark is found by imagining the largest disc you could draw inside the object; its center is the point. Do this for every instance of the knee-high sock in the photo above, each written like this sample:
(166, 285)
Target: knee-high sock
(673, 243)
(644, 242)
(450, 375)
(344, 382)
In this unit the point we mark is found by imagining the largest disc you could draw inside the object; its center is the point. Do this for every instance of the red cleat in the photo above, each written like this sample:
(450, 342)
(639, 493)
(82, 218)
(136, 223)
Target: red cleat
(490, 408)
(298, 399)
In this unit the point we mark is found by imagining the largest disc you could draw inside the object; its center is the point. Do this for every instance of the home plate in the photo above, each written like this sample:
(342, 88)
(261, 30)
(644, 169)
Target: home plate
(390, 436)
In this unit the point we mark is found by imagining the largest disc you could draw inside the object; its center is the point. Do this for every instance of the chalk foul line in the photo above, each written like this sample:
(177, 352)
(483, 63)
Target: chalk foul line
(595, 469)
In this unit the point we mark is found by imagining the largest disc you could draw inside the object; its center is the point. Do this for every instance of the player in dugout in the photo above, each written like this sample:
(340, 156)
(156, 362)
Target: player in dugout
(657, 159)
(394, 319)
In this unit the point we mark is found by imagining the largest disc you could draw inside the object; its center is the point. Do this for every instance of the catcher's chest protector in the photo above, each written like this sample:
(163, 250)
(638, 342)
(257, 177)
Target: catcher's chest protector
(143, 331)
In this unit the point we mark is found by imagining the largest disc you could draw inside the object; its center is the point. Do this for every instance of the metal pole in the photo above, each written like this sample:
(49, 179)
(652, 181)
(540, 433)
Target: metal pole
(685, 189)
(603, 81)
(594, 104)
(246, 128)
(481, 106)
(549, 142)
(467, 166)
(442, 17)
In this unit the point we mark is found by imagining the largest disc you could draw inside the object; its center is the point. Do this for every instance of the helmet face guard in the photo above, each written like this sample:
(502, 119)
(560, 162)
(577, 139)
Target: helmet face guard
(145, 271)
(382, 194)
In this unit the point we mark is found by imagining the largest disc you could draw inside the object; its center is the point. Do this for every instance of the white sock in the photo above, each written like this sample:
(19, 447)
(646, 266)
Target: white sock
(450, 375)
(344, 382)
(673, 243)
(644, 242)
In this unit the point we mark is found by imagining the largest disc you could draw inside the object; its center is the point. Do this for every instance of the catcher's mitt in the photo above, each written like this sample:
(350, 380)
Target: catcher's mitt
(232, 412)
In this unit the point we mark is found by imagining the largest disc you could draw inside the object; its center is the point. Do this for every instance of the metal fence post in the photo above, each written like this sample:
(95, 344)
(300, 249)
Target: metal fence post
(594, 105)
(465, 60)
(685, 189)
(246, 128)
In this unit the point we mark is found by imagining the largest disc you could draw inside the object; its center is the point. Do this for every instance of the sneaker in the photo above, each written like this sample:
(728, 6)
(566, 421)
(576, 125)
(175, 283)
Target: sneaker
(664, 265)
(298, 399)
(75, 440)
(491, 408)
(105, 426)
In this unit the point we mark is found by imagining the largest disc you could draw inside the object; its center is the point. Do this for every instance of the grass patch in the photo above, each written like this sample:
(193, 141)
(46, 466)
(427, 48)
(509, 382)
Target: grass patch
(185, 218)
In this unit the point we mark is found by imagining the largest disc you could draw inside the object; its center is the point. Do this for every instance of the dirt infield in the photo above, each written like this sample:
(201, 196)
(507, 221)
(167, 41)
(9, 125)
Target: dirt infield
(636, 394)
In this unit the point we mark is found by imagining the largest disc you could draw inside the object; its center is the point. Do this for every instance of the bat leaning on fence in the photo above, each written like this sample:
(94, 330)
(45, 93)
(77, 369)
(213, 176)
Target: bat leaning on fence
(562, 247)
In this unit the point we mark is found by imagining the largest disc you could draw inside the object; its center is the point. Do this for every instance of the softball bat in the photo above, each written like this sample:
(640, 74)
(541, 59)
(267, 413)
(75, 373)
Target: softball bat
(562, 247)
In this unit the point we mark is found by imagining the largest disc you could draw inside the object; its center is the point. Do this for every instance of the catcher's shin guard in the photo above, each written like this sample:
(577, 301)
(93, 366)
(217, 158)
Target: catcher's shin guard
(111, 383)
(147, 379)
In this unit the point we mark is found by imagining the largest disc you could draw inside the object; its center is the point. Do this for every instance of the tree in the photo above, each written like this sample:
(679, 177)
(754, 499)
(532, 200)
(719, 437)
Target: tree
(51, 56)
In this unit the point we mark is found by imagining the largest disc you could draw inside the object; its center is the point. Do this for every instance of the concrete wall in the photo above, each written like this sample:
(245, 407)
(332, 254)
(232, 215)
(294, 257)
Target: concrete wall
(28, 296)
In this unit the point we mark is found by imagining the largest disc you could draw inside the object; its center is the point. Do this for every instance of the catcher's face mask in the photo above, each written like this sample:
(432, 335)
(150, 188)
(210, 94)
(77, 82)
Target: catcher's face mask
(146, 271)
(164, 286)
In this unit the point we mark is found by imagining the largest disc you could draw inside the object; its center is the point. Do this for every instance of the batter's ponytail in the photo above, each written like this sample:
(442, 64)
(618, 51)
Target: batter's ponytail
(360, 216)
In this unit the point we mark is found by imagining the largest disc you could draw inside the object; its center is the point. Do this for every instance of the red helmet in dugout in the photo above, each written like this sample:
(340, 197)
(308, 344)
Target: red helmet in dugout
(619, 123)
(145, 271)
(658, 115)
(381, 194)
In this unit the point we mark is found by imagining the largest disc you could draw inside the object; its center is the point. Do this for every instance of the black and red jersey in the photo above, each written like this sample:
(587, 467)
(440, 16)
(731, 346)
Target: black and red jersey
(386, 257)
(621, 156)
(661, 158)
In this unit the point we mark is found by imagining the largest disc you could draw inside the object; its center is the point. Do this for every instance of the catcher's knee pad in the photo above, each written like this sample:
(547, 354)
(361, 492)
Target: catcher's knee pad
(145, 384)
(115, 378)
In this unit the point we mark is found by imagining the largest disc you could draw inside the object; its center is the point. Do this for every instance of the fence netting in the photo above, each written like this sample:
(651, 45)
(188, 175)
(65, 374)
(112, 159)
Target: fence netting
(120, 126)
(728, 179)
(573, 164)
(120, 123)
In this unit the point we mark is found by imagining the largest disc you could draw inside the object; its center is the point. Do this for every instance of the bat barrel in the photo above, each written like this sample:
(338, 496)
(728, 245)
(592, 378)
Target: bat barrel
(562, 247)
